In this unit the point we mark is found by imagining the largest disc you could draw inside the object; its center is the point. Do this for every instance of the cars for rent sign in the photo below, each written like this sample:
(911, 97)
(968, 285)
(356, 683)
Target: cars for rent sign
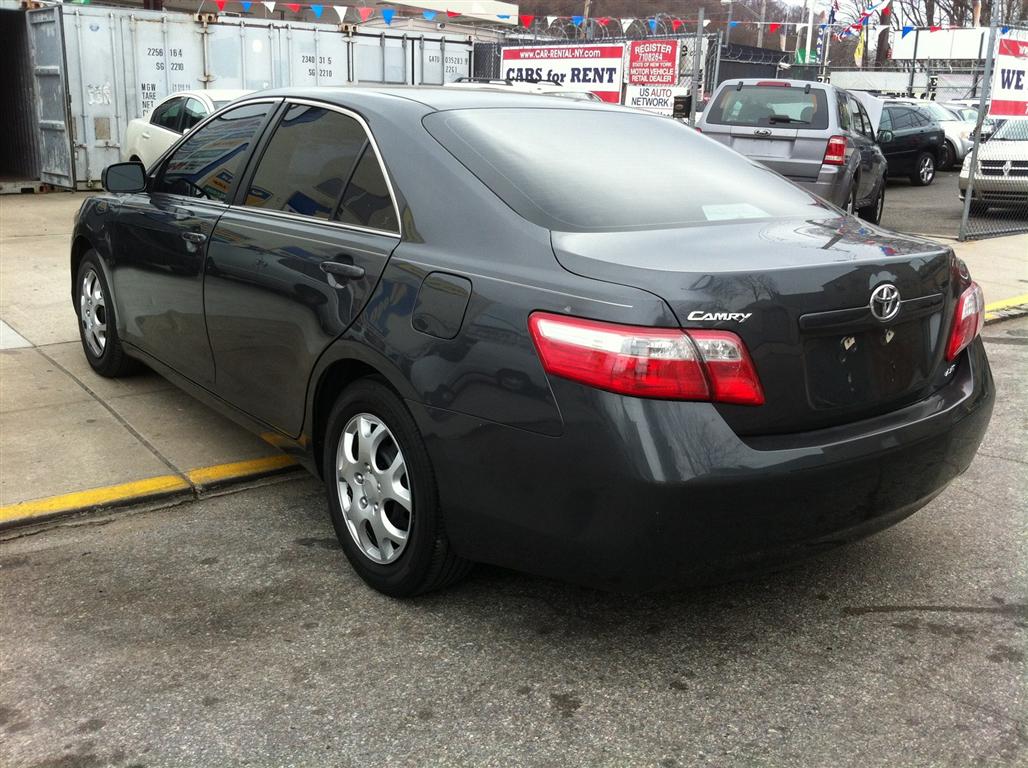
(594, 68)
(1010, 79)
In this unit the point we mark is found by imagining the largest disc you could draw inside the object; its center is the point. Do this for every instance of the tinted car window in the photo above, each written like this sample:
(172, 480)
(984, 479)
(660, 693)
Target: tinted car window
(366, 201)
(193, 113)
(307, 162)
(855, 118)
(581, 169)
(167, 114)
(902, 118)
(766, 105)
(207, 163)
(869, 131)
(844, 113)
(885, 124)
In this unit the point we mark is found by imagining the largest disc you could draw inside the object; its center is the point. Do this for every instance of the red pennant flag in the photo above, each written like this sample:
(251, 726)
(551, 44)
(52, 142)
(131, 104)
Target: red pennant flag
(604, 21)
(452, 14)
(774, 27)
(220, 4)
(526, 19)
(934, 29)
(365, 13)
(675, 24)
(294, 7)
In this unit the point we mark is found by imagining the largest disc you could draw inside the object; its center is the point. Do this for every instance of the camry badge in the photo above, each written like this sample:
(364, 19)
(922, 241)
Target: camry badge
(885, 302)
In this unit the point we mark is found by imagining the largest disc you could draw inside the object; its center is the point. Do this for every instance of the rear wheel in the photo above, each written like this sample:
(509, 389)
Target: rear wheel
(97, 328)
(382, 494)
(873, 212)
(924, 170)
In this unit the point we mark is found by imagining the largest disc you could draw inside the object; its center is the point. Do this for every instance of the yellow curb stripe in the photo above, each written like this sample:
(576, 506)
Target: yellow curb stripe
(1014, 301)
(95, 497)
(221, 473)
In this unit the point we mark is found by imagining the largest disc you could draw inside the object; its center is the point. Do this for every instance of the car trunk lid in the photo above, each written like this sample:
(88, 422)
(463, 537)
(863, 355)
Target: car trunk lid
(798, 294)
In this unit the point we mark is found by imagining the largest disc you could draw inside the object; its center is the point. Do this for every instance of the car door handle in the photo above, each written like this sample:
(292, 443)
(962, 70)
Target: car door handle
(145, 135)
(342, 271)
(194, 237)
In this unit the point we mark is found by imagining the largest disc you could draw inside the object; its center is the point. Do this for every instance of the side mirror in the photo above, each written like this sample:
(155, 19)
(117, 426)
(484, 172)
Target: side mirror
(124, 177)
(884, 137)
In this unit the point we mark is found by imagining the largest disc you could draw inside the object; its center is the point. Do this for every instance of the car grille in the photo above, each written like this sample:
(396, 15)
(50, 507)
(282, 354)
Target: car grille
(995, 168)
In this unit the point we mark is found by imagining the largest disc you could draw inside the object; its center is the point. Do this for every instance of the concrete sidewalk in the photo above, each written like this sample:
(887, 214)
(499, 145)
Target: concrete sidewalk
(72, 440)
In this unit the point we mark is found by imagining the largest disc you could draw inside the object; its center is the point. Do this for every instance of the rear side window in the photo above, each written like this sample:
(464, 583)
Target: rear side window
(206, 164)
(582, 170)
(366, 201)
(193, 114)
(857, 117)
(167, 115)
(307, 163)
(769, 105)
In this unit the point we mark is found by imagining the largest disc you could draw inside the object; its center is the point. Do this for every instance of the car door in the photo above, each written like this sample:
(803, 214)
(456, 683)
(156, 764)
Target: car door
(901, 150)
(162, 131)
(162, 235)
(293, 262)
(864, 146)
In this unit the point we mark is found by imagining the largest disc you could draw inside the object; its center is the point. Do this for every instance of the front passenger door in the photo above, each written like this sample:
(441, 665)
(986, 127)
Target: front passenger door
(162, 238)
(293, 263)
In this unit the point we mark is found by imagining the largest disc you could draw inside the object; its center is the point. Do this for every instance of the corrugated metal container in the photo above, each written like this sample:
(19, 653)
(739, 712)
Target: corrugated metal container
(115, 64)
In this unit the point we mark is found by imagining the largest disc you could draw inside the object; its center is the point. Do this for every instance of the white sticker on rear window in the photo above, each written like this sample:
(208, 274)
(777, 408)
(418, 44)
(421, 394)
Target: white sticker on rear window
(733, 211)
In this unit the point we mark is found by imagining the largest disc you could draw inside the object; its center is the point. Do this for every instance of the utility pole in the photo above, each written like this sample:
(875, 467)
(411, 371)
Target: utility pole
(585, 9)
(697, 53)
(760, 29)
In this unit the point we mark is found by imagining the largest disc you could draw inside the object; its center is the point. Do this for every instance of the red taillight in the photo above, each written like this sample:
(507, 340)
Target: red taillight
(968, 320)
(661, 363)
(835, 154)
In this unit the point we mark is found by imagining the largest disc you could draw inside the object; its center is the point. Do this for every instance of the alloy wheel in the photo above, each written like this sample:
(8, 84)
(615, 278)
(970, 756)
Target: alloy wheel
(927, 169)
(93, 313)
(374, 490)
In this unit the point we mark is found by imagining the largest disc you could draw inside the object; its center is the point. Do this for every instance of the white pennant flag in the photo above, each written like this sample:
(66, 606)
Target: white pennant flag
(706, 22)
(550, 20)
(341, 11)
(626, 23)
(801, 27)
(270, 7)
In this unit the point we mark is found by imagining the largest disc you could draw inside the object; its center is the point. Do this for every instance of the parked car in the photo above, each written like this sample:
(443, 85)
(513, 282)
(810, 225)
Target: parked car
(1001, 177)
(493, 348)
(148, 137)
(957, 129)
(815, 135)
(912, 142)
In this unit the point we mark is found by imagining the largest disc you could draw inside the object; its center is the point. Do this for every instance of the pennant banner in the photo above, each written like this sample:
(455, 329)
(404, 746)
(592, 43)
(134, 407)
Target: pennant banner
(270, 7)
(317, 10)
(365, 13)
(526, 19)
(626, 23)
(387, 15)
(341, 11)
(428, 15)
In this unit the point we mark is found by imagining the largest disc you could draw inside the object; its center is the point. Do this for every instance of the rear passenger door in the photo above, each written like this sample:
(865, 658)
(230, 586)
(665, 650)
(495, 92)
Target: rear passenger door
(293, 261)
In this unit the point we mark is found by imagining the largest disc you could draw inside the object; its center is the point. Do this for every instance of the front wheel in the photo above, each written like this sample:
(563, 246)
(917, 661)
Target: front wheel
(924, 170)
(382, 494)
(947, 156)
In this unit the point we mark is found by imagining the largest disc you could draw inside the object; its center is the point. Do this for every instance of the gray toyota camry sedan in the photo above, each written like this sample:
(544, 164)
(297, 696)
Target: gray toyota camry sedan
(563, 337)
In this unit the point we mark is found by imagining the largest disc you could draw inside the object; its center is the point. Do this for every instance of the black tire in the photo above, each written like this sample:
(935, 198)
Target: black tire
(873, 213)
(110, 361)
(427, 561)
(924, 170)
(978, 208)
(947, 156)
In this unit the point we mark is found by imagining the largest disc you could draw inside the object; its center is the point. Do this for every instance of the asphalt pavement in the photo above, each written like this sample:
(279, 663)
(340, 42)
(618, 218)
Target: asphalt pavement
(231, 631)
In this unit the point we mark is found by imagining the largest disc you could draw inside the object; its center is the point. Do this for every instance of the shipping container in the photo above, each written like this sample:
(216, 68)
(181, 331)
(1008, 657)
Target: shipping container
(74, 75)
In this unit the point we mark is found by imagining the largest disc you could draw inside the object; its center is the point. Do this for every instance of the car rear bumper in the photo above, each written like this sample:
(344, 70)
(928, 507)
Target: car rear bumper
(832, 183)
(642, 494)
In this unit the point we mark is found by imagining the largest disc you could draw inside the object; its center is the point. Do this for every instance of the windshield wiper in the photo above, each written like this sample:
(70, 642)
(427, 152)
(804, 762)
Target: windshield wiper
(786, 119)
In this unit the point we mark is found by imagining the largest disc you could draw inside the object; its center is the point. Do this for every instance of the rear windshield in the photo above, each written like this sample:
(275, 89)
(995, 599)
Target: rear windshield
(596, 170)
(770, 105)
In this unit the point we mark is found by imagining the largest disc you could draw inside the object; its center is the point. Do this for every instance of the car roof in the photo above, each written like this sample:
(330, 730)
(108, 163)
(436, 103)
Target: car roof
(731, 82)
(434, 97)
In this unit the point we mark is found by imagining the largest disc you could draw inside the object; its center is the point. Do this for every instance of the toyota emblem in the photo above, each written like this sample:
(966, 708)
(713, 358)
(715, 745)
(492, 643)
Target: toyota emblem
(885, 302)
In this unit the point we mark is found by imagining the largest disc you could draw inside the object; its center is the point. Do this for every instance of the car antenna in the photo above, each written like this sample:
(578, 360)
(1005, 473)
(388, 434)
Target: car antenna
(739, 86)
(806, 90)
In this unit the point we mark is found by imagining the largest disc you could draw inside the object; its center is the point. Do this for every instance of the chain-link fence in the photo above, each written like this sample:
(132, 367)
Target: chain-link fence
(994, 176)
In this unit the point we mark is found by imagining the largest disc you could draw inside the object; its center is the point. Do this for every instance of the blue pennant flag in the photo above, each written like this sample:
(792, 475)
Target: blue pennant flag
(429, 15)
(653, 25)
(822, 26)
(387, 15)
(246, 6)
(733, 23)
(317, 10)
(906, 31)
(1004, 30)
(863, 21)
(577, 20)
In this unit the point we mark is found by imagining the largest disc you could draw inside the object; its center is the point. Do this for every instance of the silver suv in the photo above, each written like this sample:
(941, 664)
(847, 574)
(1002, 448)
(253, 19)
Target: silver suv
(814, 134)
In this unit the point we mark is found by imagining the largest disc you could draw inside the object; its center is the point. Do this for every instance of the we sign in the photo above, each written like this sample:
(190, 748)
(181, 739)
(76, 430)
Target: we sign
(1010, 80)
